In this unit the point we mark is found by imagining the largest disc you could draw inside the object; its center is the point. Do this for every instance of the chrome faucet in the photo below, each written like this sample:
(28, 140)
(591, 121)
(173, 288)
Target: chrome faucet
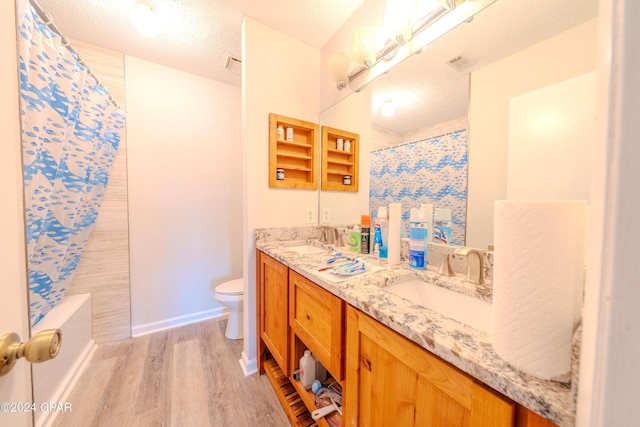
(474, 264)
(445, 265)
(329, 235)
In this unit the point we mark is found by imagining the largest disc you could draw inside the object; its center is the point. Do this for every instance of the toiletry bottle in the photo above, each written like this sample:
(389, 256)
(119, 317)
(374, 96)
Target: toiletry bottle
(381, 235)
(354, 238)
(377, 238)
(427, 218)
(417, 241)
(280, 133)
(442, 226)
(365, 229)
(307, 370)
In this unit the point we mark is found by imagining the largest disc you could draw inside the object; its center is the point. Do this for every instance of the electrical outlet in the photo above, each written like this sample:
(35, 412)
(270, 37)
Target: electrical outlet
(310, 216)
(326, 215)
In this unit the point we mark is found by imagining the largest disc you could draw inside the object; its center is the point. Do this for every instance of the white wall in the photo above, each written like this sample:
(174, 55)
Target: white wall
(609, 375)
(185, 192)
(566, 55)
(551, 132)
(280, 75)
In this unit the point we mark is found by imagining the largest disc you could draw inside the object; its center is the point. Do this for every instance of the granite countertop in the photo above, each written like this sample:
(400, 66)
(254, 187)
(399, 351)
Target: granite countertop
(467, 348)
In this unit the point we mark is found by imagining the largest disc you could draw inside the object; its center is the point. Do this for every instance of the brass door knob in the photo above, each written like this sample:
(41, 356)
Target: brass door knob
(41, 347)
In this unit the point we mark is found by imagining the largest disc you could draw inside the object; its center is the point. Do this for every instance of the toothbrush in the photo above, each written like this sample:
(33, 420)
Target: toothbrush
(337, 267)
(353, 270)
(337, 257)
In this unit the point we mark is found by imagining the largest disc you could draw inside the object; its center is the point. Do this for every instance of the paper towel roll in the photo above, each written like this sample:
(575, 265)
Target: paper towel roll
(537, 283)
(395, 225)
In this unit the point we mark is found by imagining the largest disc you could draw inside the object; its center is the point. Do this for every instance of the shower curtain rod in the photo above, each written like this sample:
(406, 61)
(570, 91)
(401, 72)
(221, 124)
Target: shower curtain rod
(417, 140)
(48, 20)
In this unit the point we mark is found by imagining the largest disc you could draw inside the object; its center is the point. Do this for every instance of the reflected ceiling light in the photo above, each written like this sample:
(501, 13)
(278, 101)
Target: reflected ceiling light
(388, 108)
(144, 16)
(338, 66)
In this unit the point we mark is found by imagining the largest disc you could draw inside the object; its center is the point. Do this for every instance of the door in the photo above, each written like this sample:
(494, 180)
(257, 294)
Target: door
(15, 387)
(393, 381)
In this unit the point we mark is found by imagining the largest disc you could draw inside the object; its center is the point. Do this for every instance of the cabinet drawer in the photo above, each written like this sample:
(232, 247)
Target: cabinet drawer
(316, 316)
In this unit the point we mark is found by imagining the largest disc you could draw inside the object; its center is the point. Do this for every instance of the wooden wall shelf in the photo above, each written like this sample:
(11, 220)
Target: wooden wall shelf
(297, 158)
(337, 163)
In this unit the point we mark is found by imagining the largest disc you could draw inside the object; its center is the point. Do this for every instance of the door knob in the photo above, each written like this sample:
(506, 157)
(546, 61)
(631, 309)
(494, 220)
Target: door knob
(41, 347)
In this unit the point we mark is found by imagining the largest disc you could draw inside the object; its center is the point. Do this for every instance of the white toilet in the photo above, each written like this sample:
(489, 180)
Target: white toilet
(231, 295)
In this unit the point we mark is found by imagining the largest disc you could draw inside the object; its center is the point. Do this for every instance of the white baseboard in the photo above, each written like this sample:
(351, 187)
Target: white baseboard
(249, 366)
(47, 418)
(149, 328)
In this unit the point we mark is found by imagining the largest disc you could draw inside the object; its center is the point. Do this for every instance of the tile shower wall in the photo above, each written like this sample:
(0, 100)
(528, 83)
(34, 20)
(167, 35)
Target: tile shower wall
(432, 171)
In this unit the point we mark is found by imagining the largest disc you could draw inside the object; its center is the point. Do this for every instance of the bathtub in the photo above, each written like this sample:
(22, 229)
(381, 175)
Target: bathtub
(54, 379)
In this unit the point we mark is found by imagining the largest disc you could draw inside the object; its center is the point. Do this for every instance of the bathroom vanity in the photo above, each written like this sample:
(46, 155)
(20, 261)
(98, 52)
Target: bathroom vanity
(398, 362)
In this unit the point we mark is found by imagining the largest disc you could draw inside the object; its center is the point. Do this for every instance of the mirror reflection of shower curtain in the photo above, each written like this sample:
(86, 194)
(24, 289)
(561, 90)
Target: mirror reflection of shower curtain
(70, 136)
(432, 171)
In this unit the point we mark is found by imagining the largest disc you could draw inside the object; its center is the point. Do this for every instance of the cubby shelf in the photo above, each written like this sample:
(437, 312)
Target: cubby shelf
(336, 163)
(296, 158)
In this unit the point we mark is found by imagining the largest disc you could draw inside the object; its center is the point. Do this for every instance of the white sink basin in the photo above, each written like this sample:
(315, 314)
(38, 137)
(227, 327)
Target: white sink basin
(306, 249)
(468, 310)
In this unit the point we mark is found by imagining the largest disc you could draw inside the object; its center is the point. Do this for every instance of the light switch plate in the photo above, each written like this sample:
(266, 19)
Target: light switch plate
(326, 216)
(310, 216)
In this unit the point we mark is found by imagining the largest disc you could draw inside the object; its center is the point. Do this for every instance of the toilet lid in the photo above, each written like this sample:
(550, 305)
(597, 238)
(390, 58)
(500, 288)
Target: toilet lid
(232, 287)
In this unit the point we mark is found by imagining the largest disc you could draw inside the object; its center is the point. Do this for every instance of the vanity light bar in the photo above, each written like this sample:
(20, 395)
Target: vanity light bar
(391, 47)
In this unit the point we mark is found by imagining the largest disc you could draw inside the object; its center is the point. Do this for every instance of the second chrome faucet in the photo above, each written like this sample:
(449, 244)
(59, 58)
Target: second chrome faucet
(474, 264)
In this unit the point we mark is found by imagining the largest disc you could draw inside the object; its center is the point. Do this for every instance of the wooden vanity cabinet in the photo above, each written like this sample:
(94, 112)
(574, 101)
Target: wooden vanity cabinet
(387, 380)
(273, 311)
(393, 381)
(316, 317)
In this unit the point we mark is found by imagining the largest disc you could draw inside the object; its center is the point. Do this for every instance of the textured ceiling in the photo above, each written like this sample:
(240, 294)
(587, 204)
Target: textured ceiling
(427, 91)
(196, 35)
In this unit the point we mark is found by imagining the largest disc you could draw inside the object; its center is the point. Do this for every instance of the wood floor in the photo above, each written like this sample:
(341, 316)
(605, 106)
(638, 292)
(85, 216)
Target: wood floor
(187, 376)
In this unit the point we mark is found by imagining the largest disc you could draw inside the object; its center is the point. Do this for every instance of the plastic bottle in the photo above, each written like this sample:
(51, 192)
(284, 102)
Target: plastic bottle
(417, 241)
(427, 217)
(307, 370)
(381, 234)
(442, 226)
(354, 238)
(280, 132)
(365, 225)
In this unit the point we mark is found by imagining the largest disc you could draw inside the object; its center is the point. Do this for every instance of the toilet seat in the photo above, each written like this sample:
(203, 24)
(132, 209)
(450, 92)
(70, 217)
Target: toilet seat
(232, 287)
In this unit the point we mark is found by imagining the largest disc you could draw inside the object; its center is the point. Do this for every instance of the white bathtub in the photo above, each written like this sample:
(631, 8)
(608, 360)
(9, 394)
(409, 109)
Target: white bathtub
(54, 379)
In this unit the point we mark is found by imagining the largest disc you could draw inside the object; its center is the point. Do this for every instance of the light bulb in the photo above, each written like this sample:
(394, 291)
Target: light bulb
(145, 19)
(398, 16)
(388, 108)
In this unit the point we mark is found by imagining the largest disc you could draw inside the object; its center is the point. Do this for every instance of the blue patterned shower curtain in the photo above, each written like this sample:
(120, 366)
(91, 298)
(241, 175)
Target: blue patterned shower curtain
(70, 136)
(432, 170)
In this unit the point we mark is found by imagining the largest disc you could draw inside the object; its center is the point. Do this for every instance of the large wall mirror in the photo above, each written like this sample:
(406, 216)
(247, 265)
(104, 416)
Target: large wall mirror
(435, 126)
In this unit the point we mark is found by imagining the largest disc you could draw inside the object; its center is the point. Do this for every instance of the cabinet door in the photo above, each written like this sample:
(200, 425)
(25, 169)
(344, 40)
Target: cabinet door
(393, 381)
(317, 318)
(273, 314)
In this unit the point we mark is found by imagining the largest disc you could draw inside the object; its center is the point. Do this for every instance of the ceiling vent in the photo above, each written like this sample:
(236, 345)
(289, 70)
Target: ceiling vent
(460, 62)
(233, 64)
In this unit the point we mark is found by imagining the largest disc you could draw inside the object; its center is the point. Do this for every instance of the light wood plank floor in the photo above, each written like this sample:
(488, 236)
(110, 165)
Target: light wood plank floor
(187, 376)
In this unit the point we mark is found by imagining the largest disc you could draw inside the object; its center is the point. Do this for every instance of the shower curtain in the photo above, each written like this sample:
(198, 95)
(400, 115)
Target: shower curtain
(432, 170)
(70, 135)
